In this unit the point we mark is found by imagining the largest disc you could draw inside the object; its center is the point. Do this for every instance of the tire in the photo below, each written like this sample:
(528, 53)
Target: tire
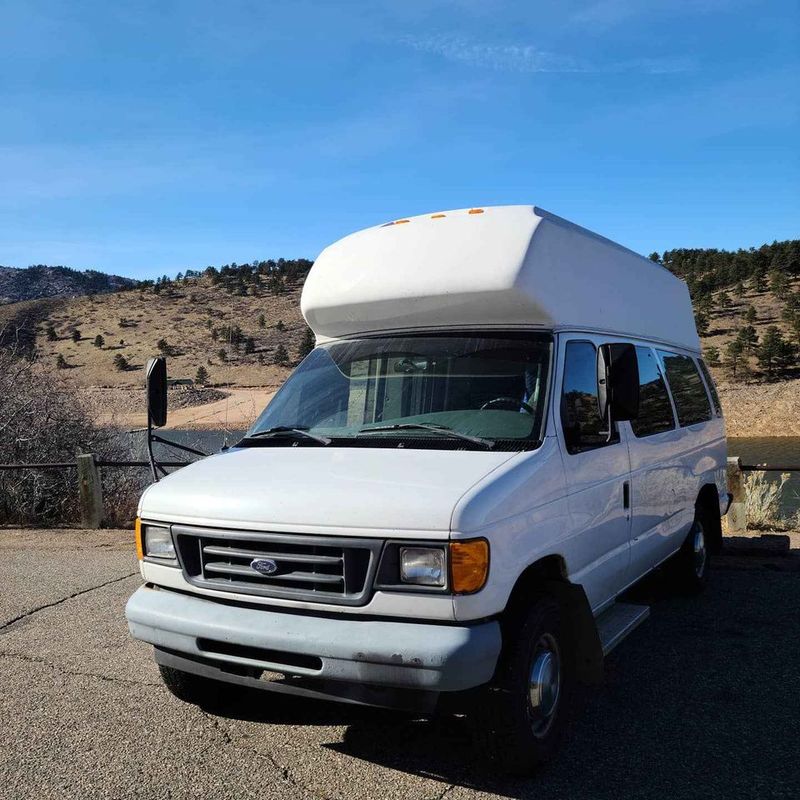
(691, 563)
(196, 689)
(519, 719)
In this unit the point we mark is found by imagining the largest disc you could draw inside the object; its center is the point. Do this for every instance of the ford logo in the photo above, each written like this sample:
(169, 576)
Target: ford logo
(265, 566)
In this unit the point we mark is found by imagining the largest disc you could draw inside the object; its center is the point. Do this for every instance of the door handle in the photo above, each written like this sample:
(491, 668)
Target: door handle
(626, 494)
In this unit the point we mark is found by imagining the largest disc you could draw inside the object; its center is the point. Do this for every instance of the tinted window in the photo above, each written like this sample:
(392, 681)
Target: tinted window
(711, 388)
(688, 391)
(584, 429)
(655, 410)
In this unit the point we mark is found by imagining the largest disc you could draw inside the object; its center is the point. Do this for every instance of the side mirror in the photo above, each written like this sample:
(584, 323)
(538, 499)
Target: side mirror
(617, 382)
(157, 391)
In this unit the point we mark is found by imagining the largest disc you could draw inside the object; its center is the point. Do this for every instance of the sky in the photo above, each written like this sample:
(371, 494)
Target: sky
(144, 138)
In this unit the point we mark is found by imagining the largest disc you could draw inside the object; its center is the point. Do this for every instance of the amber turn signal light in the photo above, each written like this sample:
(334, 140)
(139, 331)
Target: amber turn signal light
(139, 547)
(469, 565)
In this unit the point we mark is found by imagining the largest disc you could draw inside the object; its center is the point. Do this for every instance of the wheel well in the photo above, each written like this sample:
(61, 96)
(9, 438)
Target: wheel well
(548, 576)
(708, 504)
(529, 583)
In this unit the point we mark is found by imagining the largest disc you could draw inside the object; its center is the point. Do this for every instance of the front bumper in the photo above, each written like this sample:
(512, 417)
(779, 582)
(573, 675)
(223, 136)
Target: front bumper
(380, 653)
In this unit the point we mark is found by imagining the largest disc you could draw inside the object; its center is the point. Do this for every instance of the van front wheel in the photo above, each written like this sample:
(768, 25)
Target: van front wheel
(520, 718)
(196, 689)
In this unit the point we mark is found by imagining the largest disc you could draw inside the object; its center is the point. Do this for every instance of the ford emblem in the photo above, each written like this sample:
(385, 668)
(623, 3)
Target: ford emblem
(265, 566)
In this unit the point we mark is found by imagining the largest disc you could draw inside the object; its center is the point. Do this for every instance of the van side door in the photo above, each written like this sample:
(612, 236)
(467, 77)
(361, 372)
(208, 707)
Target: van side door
(657, 483)
(597, 470)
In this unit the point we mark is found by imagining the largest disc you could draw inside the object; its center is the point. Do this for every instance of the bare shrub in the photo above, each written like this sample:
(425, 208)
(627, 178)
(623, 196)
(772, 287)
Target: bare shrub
(763, 500)
(43, 421)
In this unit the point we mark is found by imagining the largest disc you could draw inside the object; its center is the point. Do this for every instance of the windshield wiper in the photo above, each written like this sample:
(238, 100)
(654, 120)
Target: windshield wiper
(288, 432)
(429, 426)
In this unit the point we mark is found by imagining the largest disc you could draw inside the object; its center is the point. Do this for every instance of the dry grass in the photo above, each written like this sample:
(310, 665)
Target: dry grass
(763, 503)
(132, 323)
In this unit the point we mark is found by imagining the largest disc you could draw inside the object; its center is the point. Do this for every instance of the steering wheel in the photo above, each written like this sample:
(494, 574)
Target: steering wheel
(515, 405)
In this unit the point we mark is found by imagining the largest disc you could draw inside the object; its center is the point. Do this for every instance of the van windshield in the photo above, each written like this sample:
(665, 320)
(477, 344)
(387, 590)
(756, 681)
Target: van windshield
(416, 391)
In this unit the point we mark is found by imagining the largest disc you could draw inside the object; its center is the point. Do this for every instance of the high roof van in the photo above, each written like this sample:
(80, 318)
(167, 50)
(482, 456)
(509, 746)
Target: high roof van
(505, 424)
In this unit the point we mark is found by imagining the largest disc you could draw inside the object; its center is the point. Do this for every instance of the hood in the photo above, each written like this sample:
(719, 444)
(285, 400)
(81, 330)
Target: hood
(299, 488)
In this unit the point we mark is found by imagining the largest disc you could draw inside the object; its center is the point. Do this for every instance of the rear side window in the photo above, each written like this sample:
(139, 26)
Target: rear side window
(712, 390)
(584, 429)
(688, 391)
(655, 409)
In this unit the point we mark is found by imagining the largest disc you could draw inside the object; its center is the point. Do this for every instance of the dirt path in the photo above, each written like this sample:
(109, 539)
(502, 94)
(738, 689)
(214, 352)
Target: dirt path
(237, 411)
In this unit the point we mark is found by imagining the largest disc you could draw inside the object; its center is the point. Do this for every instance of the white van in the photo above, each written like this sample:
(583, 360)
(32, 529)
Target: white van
(504, 425)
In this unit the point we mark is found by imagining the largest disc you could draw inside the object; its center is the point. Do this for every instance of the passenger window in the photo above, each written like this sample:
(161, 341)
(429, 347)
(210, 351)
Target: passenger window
(688, 391)
(655, 409)
(712, 390)
(584, 429)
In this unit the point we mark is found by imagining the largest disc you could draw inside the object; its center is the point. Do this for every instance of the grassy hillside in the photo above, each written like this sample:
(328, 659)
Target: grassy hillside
(194, 320)
(242, 325)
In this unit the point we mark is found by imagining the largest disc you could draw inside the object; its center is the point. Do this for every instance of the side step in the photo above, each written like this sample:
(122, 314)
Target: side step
(616, 622)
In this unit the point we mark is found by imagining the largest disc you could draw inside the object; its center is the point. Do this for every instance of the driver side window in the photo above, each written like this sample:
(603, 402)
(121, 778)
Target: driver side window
(584, 428)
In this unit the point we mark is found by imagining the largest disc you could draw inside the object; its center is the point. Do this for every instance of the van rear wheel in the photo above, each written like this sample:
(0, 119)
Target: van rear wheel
(520, 718)
(691, 563)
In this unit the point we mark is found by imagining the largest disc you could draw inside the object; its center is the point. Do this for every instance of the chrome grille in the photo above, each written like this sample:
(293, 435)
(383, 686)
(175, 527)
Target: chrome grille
(322, 568)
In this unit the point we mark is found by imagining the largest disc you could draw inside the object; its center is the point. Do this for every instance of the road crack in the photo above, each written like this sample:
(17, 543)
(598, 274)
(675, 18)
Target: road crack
(283, 771)
(66, 671)
(6, 625)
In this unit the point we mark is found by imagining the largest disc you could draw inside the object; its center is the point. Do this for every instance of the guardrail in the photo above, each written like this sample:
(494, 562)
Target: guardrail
(90, 486)
(91, 493)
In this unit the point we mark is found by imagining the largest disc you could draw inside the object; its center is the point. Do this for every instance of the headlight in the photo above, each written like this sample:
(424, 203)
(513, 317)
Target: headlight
(423, 566)
(158, 542)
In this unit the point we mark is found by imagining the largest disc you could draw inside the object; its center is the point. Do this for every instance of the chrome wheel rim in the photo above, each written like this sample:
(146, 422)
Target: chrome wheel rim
(544, 685)
(699, 550)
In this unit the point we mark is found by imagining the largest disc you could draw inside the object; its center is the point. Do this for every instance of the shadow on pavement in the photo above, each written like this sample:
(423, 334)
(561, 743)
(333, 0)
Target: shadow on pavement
(701, 701)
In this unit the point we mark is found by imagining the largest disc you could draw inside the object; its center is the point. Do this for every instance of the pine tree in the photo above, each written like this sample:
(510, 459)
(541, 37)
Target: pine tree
(775, 353)
(51, 333)
(279, 326)
(76, 335)
(201, 376)
(281, 356)
(307, 344)
(120, 362)
(99, 341)
(734, 352)
(711, 355)
(61, 362)
(701, 321)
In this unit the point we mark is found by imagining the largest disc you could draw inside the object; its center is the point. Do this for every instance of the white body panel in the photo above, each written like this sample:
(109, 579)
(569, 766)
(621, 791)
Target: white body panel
(511, 266)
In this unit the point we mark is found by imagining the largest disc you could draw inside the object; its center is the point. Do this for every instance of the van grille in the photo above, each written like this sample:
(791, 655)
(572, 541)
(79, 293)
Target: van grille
(318, 568)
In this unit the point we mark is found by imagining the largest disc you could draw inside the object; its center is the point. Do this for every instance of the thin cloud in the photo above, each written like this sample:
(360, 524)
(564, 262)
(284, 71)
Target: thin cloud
(528, 58)
(501, 57)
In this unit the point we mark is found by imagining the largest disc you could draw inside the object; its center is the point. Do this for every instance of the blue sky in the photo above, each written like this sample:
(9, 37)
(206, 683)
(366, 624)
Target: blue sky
(148, 137)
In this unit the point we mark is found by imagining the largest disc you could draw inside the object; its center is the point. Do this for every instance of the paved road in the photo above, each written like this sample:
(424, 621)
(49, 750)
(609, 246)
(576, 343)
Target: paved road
(702, 701)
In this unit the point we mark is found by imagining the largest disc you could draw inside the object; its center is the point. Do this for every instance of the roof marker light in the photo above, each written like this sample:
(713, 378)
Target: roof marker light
(401, 221)
(438, 216)
(475, 211)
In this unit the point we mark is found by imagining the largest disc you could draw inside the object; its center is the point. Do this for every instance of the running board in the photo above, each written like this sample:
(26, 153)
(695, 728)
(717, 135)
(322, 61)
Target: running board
(614, 624)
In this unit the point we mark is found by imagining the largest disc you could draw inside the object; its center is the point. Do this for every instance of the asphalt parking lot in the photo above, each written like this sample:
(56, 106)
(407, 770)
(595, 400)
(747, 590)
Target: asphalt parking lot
(701, 701)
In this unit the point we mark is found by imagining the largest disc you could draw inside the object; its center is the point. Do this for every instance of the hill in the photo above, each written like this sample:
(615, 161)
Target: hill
(242, 325)
(41, 281)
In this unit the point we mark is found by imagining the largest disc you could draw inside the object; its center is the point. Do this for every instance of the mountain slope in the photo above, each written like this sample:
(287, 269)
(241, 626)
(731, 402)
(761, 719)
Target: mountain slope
(42, 281)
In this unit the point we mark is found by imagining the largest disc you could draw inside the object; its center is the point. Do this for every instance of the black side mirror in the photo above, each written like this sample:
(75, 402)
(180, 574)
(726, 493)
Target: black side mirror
(617, 382)
(157, 391)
